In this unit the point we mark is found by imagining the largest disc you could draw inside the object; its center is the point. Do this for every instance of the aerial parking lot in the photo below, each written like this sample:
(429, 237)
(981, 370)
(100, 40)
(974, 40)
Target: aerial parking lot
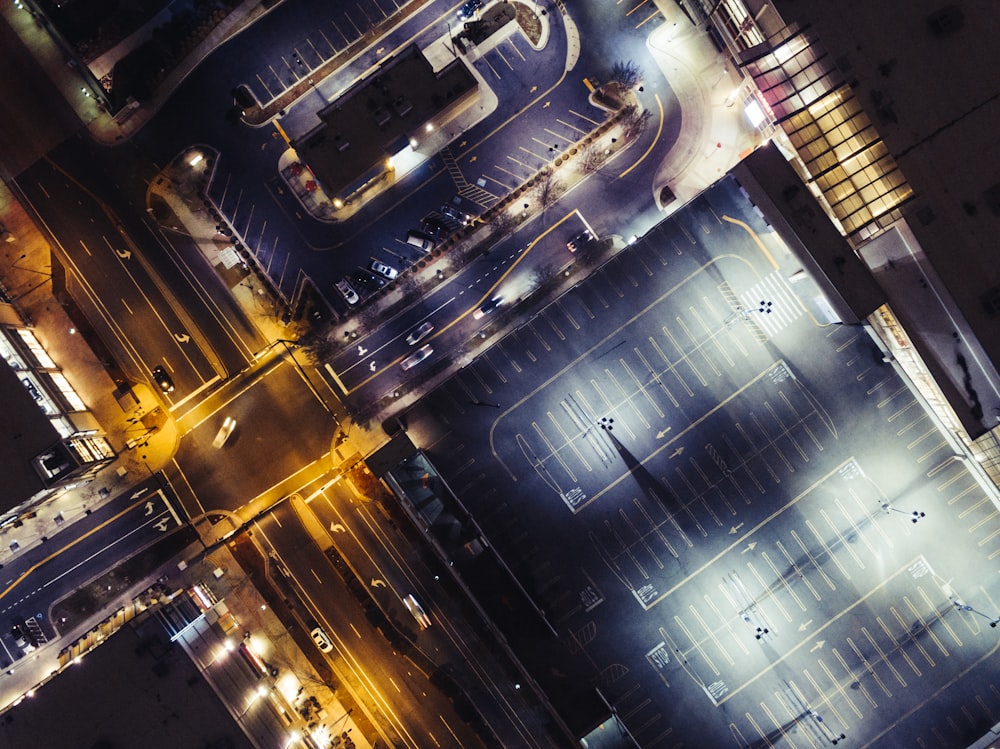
(726, 505)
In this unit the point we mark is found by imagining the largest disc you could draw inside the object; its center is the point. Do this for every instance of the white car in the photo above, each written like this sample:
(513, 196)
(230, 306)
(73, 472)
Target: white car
(348, 292)
(228, 425)
(414, 359)
(419, 334)
(417, 611)
(321, 640)
(384, 270)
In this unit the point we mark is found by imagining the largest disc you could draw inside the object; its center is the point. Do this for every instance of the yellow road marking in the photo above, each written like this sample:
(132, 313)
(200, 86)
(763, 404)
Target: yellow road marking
(656, 140)
(281, 131)
(69, 546)
(754, 237)
(489, 294)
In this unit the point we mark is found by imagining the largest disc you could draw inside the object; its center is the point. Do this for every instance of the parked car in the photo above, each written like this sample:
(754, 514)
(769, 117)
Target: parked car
(468, 11)
(455, 214)
(366, 283)
(162, 379)
(435, 227)
(228, 425)
(582, 239)
(22, 638)
(384, 270)
(417, 611)
(487, 307)
(321, 639)
(420, 240)
(347, 291)
(421, 332)
(414, 359)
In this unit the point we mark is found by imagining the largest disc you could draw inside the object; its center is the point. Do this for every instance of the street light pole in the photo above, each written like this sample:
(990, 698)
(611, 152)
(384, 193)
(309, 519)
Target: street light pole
(914, 516)
(962, 606)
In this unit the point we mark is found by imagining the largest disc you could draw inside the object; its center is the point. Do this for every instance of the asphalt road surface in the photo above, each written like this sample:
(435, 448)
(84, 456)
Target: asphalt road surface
(35, 580)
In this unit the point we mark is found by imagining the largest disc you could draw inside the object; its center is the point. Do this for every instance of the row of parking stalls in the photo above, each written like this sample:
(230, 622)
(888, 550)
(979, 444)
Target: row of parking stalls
(282, 68)
(257, 248)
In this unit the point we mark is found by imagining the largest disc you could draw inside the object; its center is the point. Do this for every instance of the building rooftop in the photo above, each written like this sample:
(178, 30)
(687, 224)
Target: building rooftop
(925, 74)
(30, 434)
(379, 116)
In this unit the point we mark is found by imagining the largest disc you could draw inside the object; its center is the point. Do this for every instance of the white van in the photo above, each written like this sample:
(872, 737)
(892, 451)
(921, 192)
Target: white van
(417, 239)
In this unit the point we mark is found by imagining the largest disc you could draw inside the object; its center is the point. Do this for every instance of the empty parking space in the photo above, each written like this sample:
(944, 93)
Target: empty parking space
(750, 488)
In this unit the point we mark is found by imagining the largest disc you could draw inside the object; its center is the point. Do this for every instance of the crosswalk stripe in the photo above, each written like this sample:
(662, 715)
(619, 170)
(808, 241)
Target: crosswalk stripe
(779, 304)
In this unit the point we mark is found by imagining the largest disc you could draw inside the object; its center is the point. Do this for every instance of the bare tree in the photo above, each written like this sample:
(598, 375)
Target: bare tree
(501, 223)
(540, 275)
(548, 190)
(592, 158)
(634, 122)
(409, 285)
(626, 73)
(317, 343)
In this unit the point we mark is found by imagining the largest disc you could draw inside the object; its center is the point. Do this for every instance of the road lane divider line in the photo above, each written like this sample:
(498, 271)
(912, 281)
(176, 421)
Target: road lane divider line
(652, 144)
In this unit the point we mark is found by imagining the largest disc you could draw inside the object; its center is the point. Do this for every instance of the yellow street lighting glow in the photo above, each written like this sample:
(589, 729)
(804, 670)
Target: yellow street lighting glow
(429, 127)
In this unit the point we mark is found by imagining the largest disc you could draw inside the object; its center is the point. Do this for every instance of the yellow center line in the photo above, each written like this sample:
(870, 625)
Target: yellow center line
(281, 130)
(69, 546)
(754, 237)
(656, 140)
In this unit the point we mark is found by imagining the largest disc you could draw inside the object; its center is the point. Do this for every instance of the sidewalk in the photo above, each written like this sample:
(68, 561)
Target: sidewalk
(29, 275)
(715, 133)
(297, 680)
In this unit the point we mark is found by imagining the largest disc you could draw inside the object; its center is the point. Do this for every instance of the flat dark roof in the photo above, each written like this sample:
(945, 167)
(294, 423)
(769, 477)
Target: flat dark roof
(377, 116)
(135, 690)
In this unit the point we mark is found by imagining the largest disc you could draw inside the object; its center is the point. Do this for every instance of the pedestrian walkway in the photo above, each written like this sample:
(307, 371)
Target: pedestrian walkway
(138, 427)
(772, 304)
(319, 710)
(715, 132)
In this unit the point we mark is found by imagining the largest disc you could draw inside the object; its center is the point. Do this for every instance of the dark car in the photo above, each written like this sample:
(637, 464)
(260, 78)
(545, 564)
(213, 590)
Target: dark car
(468, 10)
(366, 282)
(435, 227)
(486, 307)
(455, 214)
(162, 379)
(581, 240)
(243, 98)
